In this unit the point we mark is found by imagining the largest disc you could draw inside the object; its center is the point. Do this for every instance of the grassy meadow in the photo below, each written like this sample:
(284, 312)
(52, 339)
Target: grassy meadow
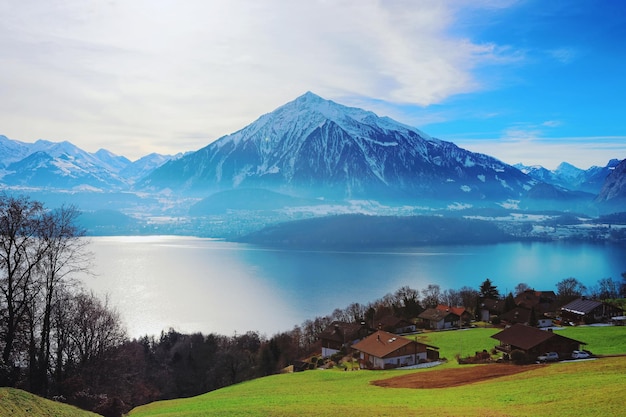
(583, 388)
(18, 403)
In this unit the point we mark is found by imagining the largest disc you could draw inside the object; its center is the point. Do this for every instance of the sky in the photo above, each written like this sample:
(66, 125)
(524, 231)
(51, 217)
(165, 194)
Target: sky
(530, 81)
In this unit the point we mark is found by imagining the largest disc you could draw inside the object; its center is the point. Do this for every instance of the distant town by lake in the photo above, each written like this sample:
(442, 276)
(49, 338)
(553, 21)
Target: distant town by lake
(205, 285)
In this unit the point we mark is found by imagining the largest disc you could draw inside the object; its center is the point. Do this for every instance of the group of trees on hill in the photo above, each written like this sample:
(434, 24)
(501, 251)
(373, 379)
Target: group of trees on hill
(57, 340)
(50, 329)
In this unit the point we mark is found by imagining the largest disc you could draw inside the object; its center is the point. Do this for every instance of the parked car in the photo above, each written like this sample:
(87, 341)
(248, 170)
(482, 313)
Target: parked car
(579, 354)
(548, 357)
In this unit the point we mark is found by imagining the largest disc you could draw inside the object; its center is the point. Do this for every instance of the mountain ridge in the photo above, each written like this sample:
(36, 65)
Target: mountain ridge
(312, 144)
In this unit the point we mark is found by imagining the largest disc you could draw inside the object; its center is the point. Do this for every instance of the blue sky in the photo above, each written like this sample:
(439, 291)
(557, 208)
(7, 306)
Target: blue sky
(537, 82)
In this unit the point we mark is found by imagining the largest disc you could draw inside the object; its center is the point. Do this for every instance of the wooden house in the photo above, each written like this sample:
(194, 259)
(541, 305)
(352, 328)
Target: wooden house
(382, 350)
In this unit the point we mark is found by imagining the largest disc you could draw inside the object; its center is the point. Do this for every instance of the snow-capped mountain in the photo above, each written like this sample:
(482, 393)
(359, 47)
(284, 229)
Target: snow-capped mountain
(314, 147)
(62, 165)
(614, 188)
(64, 171)
(570, 177)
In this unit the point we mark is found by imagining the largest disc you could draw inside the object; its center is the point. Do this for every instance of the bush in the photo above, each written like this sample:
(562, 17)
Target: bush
(519, 357)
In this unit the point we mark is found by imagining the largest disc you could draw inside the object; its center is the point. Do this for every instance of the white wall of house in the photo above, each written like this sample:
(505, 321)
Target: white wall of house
(404, 360)
(544, 322)
(326, 352)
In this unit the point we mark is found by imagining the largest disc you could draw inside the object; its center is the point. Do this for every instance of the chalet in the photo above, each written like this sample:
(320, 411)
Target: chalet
(464, 316)
(437, 319)
(544, 302)
(396, 325)
(340, 336)
(523, 315)
(584, 310)
(535, 342)
(382, 350)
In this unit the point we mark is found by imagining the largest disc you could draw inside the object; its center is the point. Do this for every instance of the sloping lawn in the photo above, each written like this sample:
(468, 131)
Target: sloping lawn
(18, 403)
(586, 388)
(583, 388)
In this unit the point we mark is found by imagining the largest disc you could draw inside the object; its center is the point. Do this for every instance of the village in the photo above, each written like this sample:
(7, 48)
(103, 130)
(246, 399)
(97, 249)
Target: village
(529, 333)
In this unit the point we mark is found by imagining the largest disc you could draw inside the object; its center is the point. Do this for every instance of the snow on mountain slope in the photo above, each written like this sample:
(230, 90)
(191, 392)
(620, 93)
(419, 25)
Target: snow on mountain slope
(316, 147)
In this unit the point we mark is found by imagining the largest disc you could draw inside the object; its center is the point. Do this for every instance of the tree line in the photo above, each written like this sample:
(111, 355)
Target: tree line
(60, 341)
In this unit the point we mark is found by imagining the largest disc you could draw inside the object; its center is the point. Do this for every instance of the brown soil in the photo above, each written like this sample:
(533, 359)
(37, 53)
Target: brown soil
(453, 377)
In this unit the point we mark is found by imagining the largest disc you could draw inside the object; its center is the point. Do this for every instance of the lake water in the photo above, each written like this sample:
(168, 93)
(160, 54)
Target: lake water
(206, 285)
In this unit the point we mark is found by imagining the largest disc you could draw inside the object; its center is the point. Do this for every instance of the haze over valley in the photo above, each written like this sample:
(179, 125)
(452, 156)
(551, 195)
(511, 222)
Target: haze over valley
(314, 158)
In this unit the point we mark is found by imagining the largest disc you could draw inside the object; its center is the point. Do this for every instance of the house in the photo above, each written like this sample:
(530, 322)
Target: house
(464, 316)
(382, 350)
(340, 336)
(584, 310)
(489, 308)
(396, 325)
(535, 342)
(437, 319)
(544, 302)
(523, 316)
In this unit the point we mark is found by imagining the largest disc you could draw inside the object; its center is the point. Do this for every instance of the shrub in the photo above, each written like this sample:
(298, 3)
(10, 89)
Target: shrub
(519, 357)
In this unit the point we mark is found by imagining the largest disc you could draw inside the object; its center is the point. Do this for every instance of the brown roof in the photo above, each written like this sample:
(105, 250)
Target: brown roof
(517, 315)
(382, 344)
(393, 321)
(434, 314)
(342, 332)
(526, 337)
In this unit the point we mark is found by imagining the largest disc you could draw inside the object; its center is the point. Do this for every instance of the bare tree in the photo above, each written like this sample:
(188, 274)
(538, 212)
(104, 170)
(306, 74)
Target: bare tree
(20, 253)
(469, 297)
(431, 295)
(65, 253)
(452, 298)
(520, 288)
(94, 327)
(569, 289)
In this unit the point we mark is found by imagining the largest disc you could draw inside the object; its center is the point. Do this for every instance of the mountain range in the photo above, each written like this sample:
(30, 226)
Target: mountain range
(308, 152)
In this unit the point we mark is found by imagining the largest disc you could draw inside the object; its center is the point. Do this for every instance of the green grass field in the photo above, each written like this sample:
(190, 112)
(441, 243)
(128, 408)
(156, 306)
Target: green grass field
(584, 388)
(18, 403)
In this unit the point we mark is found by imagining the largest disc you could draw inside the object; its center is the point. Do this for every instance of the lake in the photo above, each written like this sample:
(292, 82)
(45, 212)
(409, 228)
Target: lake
(194, 284)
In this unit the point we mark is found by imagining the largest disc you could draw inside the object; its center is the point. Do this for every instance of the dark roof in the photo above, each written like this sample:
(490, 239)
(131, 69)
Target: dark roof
(581, 306)
(434, 314)
(341, 332)
(517, 315)
(382, 343)
(526, 337)
(393, 321)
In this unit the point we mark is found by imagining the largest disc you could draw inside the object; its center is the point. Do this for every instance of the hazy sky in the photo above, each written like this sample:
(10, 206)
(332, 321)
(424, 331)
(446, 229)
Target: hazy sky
(535, 81)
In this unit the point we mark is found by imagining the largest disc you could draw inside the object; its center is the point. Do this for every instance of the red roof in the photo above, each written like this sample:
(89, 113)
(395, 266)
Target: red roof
(454, 310)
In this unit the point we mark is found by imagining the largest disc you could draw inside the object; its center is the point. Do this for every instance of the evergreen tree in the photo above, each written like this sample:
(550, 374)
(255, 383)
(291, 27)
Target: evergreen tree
(488, 290)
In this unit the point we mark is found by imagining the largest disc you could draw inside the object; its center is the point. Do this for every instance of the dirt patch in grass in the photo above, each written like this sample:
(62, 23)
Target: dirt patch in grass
(453, 377)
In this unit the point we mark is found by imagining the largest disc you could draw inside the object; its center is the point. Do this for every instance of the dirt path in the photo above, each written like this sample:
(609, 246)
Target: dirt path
(453, 377)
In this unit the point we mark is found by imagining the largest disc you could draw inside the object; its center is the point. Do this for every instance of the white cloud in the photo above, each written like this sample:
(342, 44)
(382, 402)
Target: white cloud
(166, 76)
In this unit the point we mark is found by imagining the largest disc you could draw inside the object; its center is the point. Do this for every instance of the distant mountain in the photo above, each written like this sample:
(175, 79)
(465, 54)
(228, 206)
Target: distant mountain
(317, 148)
(64, 166)
(614, 189)
(114, 163)
(570, 177)
(145, 165)
(65, 171)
